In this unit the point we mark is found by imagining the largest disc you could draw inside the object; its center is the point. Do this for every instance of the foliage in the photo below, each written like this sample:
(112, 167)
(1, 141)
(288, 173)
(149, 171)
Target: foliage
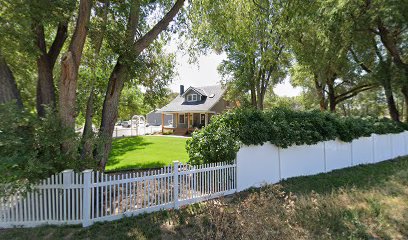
(251, 35)
(30, 148)
(216, 142)
(283, 127)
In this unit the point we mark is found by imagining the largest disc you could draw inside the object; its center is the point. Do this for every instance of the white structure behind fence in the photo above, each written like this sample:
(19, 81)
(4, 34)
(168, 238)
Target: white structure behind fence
(257, 165)
(88, 197)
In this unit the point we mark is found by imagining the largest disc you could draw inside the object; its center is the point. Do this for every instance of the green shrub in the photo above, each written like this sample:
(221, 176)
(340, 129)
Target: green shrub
(30, 148)
(217, 143)
(283, 127)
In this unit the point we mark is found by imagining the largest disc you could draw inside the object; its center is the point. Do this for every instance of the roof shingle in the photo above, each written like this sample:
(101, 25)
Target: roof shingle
(180, 105)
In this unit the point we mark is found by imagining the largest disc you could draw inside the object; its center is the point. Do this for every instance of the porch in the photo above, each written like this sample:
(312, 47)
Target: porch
(186, 122)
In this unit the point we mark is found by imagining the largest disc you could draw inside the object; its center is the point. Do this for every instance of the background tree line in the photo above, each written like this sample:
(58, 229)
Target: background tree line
(335, 50)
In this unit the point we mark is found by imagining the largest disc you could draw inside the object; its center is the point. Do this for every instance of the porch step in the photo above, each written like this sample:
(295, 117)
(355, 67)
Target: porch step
(180, 131)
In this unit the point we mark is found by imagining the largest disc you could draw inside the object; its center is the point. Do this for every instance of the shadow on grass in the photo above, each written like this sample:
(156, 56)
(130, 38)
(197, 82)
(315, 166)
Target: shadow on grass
(360, 177)
(138, 166)
(124, 145)
(140, 227)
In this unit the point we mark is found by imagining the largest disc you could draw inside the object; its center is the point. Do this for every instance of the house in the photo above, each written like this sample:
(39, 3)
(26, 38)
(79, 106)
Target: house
(194, 107)
(154, 118)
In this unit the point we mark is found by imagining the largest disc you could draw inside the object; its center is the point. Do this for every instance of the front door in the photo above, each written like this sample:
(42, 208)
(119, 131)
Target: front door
(202, 119)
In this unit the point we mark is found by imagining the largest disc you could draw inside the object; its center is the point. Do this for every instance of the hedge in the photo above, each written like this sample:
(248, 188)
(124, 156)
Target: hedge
(283, 127)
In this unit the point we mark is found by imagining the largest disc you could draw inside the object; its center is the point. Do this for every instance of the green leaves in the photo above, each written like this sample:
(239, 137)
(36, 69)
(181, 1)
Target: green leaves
(252, 34)
(30, 148)
(283, 127)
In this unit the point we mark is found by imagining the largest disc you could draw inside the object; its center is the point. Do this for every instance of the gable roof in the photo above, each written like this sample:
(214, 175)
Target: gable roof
(197, 90)
(212, 94)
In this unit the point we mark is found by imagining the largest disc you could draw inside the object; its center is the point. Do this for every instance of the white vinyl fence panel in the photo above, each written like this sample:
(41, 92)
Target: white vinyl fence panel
(362, 151)
(382, 147)
(337, 154)
(312, 160)
(398, 144)
(261, 166)
(257, 165)
(88, 197)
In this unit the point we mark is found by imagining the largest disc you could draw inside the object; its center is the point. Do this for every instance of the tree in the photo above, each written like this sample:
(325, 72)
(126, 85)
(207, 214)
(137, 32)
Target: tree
(70, 62)
(96, 40)
(36, 30)
(253, 37)
(386, 22)
(122, 71)
(8, 85)
(320, 36)
(115, 43)
(45, 19)
(380, 68)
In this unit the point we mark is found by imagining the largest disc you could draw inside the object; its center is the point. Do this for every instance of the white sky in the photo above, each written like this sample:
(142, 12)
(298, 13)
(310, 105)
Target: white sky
(204, 73)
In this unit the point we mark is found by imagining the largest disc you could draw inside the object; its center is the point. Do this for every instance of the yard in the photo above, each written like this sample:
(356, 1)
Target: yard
(146, 152)
(362, 202)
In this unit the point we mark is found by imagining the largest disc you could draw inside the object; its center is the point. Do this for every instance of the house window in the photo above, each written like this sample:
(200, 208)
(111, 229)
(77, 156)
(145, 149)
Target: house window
(181, 119)
(191, 97)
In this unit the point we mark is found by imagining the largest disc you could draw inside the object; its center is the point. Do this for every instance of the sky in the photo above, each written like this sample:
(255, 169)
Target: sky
(204, 72)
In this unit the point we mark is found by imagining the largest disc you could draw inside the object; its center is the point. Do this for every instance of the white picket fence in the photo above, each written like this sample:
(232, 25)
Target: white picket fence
(88, 197)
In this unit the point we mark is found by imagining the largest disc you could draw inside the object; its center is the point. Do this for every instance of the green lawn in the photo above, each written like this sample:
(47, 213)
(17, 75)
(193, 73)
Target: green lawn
(146, 152)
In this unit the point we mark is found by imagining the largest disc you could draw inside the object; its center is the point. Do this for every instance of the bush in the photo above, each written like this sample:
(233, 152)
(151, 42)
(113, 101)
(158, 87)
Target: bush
(30, 149)
(216, 143)
(283, 127)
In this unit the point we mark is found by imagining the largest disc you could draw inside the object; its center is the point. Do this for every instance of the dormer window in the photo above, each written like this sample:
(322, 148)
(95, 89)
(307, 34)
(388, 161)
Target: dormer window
(192, 98)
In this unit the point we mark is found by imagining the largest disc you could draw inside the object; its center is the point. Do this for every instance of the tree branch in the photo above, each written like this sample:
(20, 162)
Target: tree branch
(58, 42)
(362, 65)
(150, 36)
(389, 44)
(81, 28)
(354, 91)
(133, 22)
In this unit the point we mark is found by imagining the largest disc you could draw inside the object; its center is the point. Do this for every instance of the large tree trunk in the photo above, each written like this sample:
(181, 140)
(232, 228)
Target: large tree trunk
(8, 86)
(392, 107)
(259, 98)
(69, 71)
(320, 94)
(390, 43)
(70, 64)
(331, 95)
(45, 86)
(260, 102)
(253, 96)
(110, 112)
(404, 91)
(45, 66)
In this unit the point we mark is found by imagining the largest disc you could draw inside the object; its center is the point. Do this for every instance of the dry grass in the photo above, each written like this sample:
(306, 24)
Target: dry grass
(364, 202)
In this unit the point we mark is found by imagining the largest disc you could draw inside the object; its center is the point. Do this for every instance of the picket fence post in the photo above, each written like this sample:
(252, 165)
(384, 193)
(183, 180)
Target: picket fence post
(67, 178)
(66, 184)
(176, 185)
(86, 201)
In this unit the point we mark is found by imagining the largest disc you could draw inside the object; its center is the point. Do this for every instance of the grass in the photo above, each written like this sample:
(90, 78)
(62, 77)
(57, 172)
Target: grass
(363, 202)
(146, 152)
